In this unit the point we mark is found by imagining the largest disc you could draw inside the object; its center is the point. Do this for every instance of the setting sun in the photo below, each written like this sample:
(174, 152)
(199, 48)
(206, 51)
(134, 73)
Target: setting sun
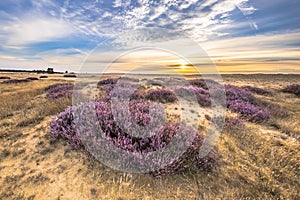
(183, 64)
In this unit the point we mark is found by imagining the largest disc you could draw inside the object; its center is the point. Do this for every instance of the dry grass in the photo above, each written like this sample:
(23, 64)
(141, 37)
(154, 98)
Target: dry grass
(256, 162)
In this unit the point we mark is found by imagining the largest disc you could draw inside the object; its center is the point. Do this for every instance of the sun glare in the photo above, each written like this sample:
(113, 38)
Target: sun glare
(183, 64)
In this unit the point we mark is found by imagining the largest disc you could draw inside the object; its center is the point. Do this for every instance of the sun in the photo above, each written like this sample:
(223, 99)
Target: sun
(183, 64)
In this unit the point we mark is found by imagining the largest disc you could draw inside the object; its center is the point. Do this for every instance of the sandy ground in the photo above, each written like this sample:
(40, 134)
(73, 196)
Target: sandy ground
(257, 162)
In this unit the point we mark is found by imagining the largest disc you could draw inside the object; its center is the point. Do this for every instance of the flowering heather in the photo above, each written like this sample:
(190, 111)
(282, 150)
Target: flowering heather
(246, 104)
(202, 83)
(66, 126)
(161, 95)
(234, 93)
(59, 90)
(249, 111)
(257, 90)
(293, 89)
(108, 81)
(202, 95)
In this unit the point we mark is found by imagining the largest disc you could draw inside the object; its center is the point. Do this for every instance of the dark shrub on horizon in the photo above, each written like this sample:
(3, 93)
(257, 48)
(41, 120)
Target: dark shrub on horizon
(4, 77)
(292, 89)
(15, 81)
(32, 78)
(70, 75)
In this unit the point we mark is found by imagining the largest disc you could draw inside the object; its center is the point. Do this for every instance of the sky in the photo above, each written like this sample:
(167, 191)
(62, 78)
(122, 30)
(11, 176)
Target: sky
(228, 36)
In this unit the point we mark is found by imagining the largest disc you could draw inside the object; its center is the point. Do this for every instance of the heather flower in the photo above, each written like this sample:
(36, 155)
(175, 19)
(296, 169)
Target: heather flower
(202, 95)
(108, 81)
(249, 111)
(161, 95)
(204, 83)
(236, 93)
(59, 90)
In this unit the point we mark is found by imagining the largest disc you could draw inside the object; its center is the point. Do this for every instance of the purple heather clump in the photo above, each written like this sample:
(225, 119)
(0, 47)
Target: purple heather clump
(203, 83)
(108, 81)
(293, 89)
(59, 90)
(242, 101)
(249, 111)
(234, 93)
(64, 126)
(202, 95)
(257, 90)
(161, 95)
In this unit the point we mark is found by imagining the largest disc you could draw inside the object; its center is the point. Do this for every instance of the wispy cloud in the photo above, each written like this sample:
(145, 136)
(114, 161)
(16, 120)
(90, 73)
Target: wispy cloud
(37, 29)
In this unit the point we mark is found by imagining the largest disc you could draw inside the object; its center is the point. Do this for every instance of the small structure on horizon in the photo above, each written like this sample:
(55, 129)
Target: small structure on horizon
(50, 70)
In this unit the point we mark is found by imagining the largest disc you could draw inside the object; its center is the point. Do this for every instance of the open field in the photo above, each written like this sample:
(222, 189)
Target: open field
(255, 161)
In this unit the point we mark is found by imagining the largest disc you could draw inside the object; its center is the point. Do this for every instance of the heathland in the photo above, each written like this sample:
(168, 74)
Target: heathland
(257, 155)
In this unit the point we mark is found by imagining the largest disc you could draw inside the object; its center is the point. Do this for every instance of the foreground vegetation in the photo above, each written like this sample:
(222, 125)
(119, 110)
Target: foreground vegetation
(256, 159)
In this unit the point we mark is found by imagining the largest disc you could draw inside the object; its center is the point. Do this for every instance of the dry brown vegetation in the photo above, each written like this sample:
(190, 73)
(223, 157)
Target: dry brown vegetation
(255, 162)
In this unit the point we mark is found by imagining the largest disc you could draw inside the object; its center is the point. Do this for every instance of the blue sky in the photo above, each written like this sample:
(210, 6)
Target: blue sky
(237, 35)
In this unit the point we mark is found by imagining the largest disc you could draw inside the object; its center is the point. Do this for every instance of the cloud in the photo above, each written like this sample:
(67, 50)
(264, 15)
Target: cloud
(36, 29)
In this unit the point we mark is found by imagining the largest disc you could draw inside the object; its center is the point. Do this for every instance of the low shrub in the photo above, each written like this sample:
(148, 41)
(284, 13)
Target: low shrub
(15, 81)
(274, 109)
(161, 95)
(4, 77)
(59, 90)
(292, 89)
(244, 103)
(257, 90)
(43, 76)
(249, 111)
(32, 78)
(234, 93)
(203, 83)
(70, 75)
(108, 81)
(66, 126)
